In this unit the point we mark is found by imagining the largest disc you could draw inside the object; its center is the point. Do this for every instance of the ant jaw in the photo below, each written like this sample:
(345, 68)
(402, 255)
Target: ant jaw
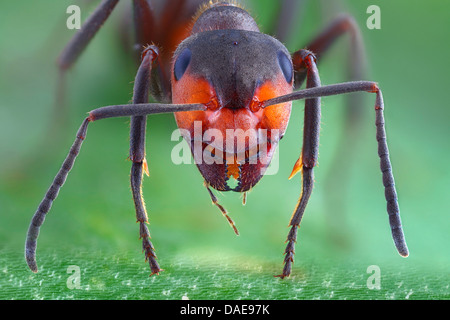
(237, 172)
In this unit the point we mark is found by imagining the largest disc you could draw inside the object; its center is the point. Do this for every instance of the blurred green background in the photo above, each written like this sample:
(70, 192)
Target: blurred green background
(345, 228)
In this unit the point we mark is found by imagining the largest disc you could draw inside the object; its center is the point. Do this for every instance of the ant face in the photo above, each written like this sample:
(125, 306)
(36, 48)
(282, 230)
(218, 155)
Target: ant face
(232, 71)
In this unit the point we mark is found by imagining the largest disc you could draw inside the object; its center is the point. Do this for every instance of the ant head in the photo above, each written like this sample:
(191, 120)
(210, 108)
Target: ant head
(232, 72)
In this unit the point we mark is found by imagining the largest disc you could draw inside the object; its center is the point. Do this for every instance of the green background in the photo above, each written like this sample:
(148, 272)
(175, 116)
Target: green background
(345, 228)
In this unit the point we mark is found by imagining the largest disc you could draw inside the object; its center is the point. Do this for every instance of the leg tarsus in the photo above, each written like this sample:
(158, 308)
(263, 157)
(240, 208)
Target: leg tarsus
(308, 182)
(141, 216)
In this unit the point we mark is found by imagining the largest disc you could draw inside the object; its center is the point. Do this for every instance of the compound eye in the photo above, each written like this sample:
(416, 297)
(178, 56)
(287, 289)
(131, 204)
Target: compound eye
(181, 64)
(285, 66)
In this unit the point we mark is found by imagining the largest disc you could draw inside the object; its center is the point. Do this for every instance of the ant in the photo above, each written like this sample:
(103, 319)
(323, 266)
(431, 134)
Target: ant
(224, 75)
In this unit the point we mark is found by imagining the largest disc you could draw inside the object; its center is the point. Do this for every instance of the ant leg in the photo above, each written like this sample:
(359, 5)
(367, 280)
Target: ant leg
(308, 158)
(133, 110)
(344, 26)
(356, 65)
(285, 18)
(80, 41)
(145, 34)
(175, 18)
(137, 155)
(307, 162)
(144, 24)
(65, 61)
(82, 38)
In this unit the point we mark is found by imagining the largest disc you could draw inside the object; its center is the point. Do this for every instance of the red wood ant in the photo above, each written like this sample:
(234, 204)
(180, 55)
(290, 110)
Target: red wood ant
(224, 75)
